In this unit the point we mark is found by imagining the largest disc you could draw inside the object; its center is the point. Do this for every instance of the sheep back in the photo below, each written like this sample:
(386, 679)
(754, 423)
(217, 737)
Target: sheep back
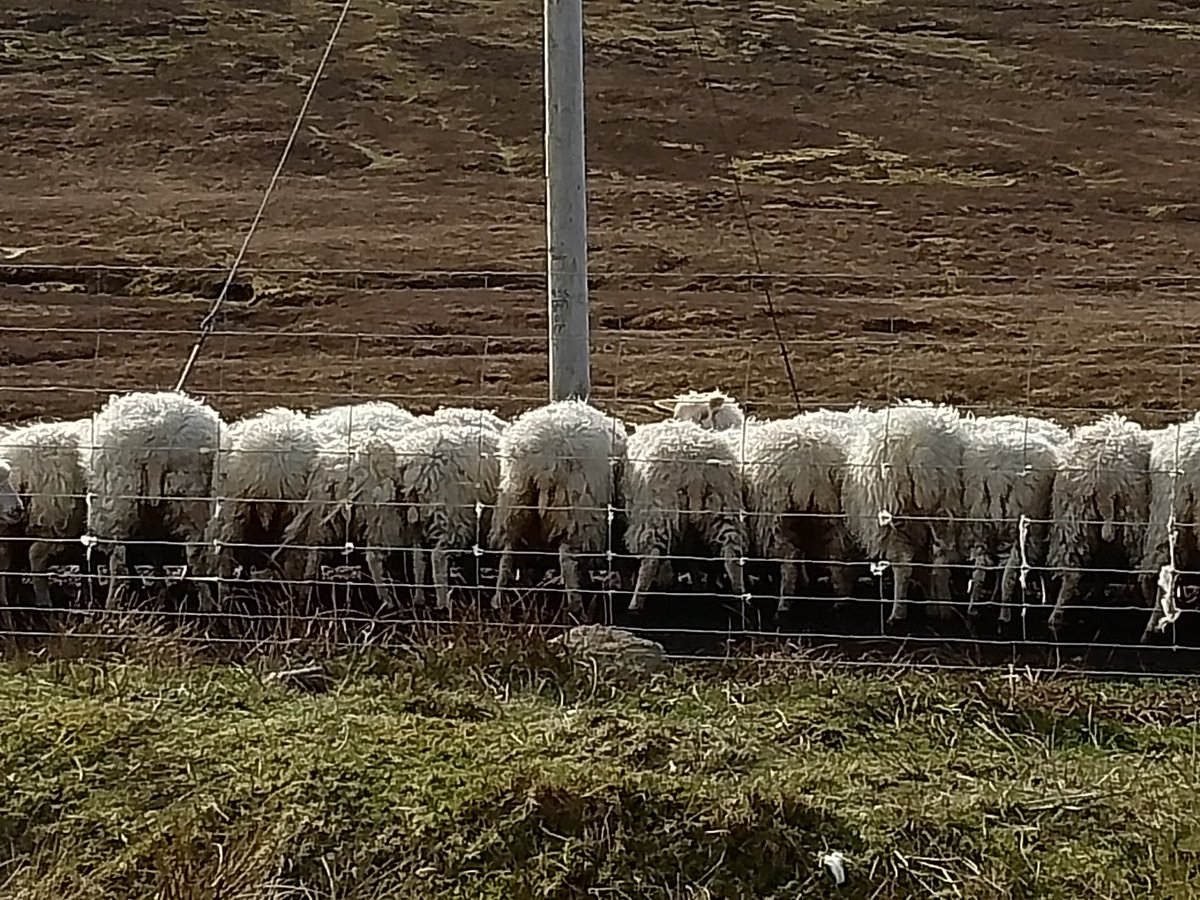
(677, 473)
(47, 472)
(559, 470)
(150, 448)
(1103, 476)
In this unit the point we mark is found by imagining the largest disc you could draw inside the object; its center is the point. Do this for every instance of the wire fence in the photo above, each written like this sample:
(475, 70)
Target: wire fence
(284, 529)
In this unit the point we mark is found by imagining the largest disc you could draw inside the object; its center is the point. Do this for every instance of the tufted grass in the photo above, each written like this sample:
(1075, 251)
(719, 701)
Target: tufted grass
(471, 768)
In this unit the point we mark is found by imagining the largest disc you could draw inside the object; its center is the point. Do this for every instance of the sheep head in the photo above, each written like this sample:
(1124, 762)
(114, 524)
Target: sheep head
(714, 409)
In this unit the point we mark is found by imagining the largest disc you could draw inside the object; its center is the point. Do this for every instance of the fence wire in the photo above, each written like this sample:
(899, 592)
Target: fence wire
(368, 522)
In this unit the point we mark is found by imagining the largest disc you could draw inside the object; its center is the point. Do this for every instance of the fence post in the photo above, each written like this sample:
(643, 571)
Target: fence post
(566, 201)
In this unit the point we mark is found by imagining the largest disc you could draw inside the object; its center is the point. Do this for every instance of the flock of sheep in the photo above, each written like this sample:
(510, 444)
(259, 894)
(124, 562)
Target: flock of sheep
(916, 487)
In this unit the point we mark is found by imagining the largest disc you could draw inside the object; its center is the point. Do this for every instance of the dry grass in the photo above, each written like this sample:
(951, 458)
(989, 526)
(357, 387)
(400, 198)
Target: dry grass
(471, 767)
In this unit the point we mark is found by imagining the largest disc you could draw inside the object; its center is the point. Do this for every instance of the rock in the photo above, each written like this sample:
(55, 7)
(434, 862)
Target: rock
(612, 652)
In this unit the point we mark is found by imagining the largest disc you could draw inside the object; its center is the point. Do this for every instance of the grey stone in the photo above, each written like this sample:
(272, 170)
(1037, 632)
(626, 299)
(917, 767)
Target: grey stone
(612, 652)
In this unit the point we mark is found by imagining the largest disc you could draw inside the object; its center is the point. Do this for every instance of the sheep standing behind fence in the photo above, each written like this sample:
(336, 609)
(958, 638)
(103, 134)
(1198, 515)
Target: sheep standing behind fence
(1100, 504)
(149, 460)
(1009, 466)
(903, 495)
(560, 466)
(47, 475)
(681, 477)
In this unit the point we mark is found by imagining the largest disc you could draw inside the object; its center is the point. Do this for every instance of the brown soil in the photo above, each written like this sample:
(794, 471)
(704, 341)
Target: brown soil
(993, 203)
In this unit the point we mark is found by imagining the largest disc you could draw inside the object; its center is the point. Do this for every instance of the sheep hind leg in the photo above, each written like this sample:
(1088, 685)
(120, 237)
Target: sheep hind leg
(40, 554)
(568, 565)
(118, 571)
(418, 572)
(789, 579)
(902, 571)
(979, 580)
(504, 575)
(1008, 586)
(733, 571)
(439, 562)
(383, 588)
(941, 584)
(645, 578)
(197, 558)
(1067, 592)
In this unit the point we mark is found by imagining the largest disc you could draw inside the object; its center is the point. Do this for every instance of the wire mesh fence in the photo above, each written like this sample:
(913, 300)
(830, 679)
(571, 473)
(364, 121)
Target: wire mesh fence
(870, 532)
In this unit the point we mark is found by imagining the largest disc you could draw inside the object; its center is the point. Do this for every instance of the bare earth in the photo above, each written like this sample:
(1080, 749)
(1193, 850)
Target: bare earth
(993, 203)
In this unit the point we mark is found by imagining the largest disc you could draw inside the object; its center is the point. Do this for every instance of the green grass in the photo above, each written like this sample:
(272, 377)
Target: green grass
(474, 772)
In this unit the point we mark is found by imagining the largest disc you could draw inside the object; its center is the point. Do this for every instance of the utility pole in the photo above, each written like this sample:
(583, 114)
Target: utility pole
(566, 201)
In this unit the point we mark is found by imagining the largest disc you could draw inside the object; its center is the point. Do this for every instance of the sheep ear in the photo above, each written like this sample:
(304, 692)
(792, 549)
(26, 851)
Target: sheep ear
(668, 405)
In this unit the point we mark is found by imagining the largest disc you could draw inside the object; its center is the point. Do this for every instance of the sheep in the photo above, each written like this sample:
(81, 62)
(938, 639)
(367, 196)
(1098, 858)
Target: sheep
(1100, 502)
(45, 470)
(793, 472)
(149, 464)
(1171, 537)
(903, 491)
(678, 476)
(372, 414)
(462, 415)
(1044, 429)
(1009, 465)
(447, 480)
(560, 468)
(352, 500)
(261, 481)
(713, 410)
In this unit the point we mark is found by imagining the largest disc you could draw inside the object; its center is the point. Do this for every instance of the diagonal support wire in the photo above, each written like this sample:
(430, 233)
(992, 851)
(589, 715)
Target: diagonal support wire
(209, 321)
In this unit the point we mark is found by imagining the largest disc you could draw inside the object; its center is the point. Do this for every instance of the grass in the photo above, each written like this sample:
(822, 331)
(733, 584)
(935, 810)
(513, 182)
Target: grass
(859, 159)
(474, 769)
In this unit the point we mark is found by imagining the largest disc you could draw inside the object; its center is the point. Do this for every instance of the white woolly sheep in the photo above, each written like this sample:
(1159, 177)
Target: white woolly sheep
(680, 476)
(1046, 429)
(1009, 465)
(462, 415)
(902, 492)
(352, 501)
(560, 467)
(447, 480)
(712, 409)
(261, 481)
(793, 471)
(149, 461)
(46, 472)
(1100, 503)
(1171, 540)
(355, 416)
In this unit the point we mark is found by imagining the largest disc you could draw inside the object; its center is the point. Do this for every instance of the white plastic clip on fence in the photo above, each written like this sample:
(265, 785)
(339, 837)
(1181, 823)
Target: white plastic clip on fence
(836, 864)
(879, 567)
(89, 544)
(610, 516)
(1166, 597)
(348, 549)
(1166, 579)
(1023, 537)
(885, 518)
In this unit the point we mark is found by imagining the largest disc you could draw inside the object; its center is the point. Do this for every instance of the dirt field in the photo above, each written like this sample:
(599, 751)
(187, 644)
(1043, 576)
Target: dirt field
(986, 206)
